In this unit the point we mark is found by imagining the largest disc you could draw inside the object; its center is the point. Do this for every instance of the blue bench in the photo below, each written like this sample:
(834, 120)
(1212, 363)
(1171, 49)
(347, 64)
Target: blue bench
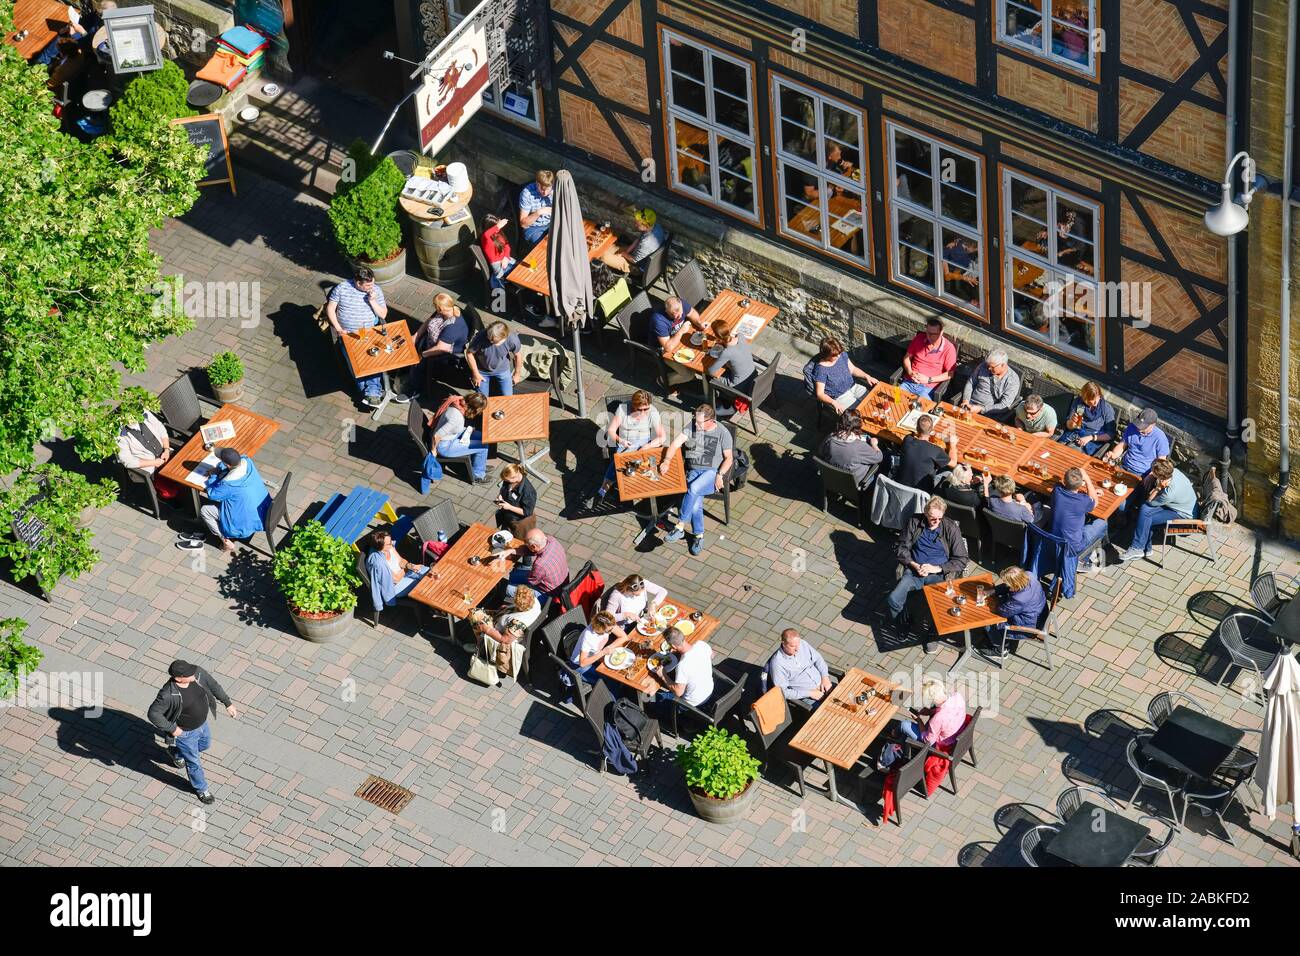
(349, 516)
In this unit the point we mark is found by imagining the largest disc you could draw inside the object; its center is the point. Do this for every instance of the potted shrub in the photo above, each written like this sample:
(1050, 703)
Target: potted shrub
(17, 659)
(61, 503)
(317, 574)
(366, 216)
(720, 775)
(150, 100)
(226, 376)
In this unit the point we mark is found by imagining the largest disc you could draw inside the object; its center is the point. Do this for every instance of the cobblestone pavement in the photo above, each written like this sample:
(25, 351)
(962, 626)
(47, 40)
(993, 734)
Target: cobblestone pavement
(502, 776)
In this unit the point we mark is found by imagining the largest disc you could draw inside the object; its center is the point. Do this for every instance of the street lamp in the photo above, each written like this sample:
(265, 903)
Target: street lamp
(1230, 217)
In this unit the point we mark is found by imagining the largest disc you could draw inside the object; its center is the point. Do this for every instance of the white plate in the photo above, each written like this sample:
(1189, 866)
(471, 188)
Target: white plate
(668, 612)
(1121, 489)
(249, 113)
(654, 630)
(620, 659)
(270, 89)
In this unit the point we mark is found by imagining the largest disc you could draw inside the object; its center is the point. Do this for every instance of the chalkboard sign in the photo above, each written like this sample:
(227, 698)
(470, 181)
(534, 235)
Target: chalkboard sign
(28, 528)
(210, 130)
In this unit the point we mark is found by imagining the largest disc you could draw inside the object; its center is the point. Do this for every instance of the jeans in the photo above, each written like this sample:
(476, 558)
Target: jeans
(500, 270)
(189, 745)
(852, 397)
(916, 388)
(1149, 516)
(403, 586)
(369, 385)
(475, 448)
(908, 583)
(505, 379)
(1088, 448)
(533, 234)
(909, 729)
(700, 483)
(1093, 532)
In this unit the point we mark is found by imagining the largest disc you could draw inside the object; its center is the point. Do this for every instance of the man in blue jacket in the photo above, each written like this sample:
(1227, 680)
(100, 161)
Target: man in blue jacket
(241, 501)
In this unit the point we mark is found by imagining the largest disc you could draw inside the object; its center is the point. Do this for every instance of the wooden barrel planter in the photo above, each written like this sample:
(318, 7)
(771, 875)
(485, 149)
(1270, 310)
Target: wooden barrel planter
(322, 629)
(731, 810)
(443, 250)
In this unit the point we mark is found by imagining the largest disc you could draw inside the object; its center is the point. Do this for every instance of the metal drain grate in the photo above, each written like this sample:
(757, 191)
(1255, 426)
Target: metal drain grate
(384, 794)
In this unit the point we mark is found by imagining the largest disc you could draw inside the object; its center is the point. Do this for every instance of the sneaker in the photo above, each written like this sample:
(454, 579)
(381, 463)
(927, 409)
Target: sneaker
(177, 759)
(929, 647)
(1132, 554)
(189, 545)
(190, 536)
(697, 544)
(676, 534)
(207, 797)
(401, 398)
(548, 323)
(372, 400)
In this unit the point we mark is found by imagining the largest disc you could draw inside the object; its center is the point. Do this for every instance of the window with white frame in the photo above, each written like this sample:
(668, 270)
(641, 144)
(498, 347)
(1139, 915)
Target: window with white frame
(514, 101)
(1050, 239)
(1059, 30)
(936, 218)
(710, 125)
(820, 170)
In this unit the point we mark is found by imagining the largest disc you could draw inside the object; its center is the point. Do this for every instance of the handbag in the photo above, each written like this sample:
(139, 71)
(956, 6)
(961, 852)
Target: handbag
(482, 671)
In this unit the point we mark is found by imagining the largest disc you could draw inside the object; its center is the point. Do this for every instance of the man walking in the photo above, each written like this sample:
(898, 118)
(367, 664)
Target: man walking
(180, 711)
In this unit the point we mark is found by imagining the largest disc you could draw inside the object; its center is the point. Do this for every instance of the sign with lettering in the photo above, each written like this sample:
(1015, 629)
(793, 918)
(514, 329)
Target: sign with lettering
(455, 75)
(210, 130)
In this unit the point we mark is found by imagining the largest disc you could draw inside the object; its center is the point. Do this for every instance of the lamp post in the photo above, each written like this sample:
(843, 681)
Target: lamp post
(1231, 216)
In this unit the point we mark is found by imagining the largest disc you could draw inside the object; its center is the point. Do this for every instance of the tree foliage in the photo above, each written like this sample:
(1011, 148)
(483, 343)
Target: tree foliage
(316, 571)
(159, 95)
(16, 658)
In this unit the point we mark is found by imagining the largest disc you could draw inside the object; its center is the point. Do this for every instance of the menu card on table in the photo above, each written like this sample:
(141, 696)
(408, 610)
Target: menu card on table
(749, 326)
(204, 468)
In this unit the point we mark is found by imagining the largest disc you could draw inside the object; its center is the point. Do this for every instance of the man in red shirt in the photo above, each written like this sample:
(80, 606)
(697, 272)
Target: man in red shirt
(929, 361)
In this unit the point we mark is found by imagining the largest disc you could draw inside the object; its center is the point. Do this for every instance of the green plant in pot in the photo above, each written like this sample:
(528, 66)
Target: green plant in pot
(16, 658)
(366, 216)
(226, 376)
(55, 507)
(317, 574)
(720, 775)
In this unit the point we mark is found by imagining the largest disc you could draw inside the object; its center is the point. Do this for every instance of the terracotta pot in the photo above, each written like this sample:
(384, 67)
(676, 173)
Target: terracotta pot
(730, 810)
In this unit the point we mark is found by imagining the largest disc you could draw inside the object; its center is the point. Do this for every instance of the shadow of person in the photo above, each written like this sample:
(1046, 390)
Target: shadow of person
(117, 739)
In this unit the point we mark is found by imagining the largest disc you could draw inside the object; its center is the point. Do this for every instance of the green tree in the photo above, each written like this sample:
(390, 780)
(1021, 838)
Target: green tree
(16, 658)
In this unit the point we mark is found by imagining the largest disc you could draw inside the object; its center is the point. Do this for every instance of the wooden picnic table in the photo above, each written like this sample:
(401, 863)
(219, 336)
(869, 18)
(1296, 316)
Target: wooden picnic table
(347, 517)
(454, 586)
(531, 271)
(42, 19)
(727, 307)
(252, 431)
(652, 486)
(378, 338)
(840, 730)
(524, 417)
(644, 647)
(1060, 459)
(972, 615)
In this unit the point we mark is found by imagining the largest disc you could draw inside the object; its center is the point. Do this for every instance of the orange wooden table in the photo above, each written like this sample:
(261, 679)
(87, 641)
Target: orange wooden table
(42, 19)
(881, 411)
(454, 586)
(840, 730)
(647, 482)
(1060, 459)
(369, 352)
(988, 445)
(531, 271)
(694, 356)
(972, 615)
(252, 431)
(636, 675)
(519, 418)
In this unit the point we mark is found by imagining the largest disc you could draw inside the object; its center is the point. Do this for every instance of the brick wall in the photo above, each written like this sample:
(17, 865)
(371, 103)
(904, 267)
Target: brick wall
(942, 40)
(705, 26)
(1035, 161)
(928, 119)
(1074, 102)
(802, 68)
(841, 15)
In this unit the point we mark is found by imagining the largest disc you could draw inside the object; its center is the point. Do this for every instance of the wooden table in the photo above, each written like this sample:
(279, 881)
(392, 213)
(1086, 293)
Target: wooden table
(637, 676)
(808, 220)
(419, 209)
(980, 442)
(454, 586)
(972, 615)
(524, 417)
(42, 19)
(252, 431)
(637, 487)
(536, 278)
(404, 354)
(1095, 836)
(1060, 459)
(881, 399)
(727, 307)
(840, 730)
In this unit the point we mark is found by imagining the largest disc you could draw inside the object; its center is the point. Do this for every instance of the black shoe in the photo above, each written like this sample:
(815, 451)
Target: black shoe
(177, 759)
(190, 544)
(207, 797)
(190, 536)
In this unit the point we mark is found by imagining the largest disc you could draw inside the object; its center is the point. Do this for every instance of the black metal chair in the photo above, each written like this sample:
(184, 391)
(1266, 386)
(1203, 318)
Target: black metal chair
(653, 267)
(909, 777)
(756, 393)
(181, 411)
(1005, 533)
(1265, 595)
(968, 520)
(533, 628)
(1212, 799)
(560, 635)
(1163, 704)
(726, 695)
(1244, 655)
(634, 322)
(1151, 774)
(138, 476)
(725, 494)
(962, 747)
(840, 483)
(278, 514)
(1069, 801)
(1151, 848)
(1032, 845)
(415, 428)
(689, 285)
(775, 743)
(597, 711)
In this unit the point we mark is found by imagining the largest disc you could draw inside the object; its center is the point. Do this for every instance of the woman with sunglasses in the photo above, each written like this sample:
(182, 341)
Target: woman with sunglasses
(630, 431)
(632, 597)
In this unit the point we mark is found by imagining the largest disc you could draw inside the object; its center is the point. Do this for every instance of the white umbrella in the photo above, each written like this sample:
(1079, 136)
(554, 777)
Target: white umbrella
(1278, 772)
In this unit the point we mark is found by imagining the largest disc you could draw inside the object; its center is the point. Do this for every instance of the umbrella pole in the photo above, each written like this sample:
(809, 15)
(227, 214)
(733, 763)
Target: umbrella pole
(577, 369)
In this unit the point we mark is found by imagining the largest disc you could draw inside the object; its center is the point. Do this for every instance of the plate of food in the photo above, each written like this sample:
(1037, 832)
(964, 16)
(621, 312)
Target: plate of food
(685, 626)
(619, 659)
(648, 629)
(669, 612)
(662, 659)
(685, 355)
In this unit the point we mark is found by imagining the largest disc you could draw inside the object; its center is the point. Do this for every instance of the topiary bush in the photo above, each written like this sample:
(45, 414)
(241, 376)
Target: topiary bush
(364, 212)
(225, 369)
(151, 100)
(317, 572)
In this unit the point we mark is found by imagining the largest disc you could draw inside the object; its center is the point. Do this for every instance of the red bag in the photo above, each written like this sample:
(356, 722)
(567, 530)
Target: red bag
(742, 406)
(167, 489)
(437, 549)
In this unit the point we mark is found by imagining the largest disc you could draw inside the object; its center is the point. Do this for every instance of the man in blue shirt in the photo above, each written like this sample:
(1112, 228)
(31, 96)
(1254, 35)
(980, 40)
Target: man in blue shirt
(242, 502)
(1142, 443)
(1090, 422)
(798, 669)
(1072, 501)
(929, 546)
(535, 206)
(355, 305)
(667, 327)
(1170, 496)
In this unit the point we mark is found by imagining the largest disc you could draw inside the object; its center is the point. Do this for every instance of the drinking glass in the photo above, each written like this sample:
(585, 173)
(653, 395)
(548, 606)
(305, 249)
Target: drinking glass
(948, 589)
(979, 595)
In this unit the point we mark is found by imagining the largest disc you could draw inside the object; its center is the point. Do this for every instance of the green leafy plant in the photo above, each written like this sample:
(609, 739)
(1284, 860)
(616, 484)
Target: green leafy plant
(317, 572)
(64, 549)
(150, 100)
(718, 763)
(16, 658)
(225, 369)
(365, 212)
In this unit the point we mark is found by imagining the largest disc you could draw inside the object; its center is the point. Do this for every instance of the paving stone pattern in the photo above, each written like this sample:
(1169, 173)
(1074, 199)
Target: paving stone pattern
(503, 775)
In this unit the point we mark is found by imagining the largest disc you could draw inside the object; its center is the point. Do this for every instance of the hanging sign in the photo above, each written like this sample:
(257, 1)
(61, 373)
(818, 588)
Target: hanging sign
(455, 76)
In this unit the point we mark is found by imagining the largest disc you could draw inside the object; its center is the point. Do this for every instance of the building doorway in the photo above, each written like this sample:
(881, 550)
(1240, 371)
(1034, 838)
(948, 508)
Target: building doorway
(342, 42)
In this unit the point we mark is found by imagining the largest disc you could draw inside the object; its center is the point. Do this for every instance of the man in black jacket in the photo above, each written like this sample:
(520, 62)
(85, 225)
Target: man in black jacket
(929, 547)
(181, 710)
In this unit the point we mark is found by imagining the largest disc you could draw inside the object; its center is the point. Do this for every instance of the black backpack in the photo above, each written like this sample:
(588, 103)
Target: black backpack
(739, 469)
(632, 725)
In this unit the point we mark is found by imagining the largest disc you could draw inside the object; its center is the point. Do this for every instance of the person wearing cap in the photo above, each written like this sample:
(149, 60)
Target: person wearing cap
(180, 711)
(1141, 445)
(650, 236)
(241, 502)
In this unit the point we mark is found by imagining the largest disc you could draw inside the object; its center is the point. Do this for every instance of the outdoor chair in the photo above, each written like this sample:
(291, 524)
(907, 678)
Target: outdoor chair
(1044, 633)
(756, 392)
(909, 778)
(690, 287)
(1246, 656)
(725, 494)
(634, 322)
(726, 695)
(1186, 527)
(1049, 555)
(560, 635)
(1031, 844)
(1163, 704)
(494, 302)
(1151, 774)
(612, 402)
(968, 520)
(571, 585)
(180, 408)
(893, 504)
(608, 306)
(1212, 799)
(138, 476)
(962, 747)
(597, 709)
(537, 625)
(1152, 848)
(429, 523)
(1265, 596)
(1005, 533)
(415, 428)
(368, 612)
(277, 515)
(836, 673)
(652, 267)
(840, 483)
(1069, 800)
(775, 744)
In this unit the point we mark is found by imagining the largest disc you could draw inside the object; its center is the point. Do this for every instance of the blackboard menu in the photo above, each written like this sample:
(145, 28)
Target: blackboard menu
(210, 130)
(28, 528)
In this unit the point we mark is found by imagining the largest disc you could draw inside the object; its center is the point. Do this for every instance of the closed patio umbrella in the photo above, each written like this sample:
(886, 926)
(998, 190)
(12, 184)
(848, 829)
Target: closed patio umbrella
(570, 269)
(1278, 772)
